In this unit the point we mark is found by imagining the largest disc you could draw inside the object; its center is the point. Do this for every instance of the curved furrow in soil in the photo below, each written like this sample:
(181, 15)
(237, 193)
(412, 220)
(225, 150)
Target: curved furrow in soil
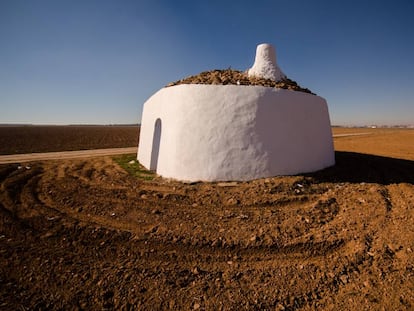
(100, 172)
(170, 216)
(14, 184)
(63, 200)
(187, 236)
(104, 239)
(394, 247)
(20, 197)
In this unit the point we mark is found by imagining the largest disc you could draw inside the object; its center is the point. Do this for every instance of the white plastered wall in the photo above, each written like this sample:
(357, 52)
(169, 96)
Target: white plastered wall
(265, 65)
(229, 132)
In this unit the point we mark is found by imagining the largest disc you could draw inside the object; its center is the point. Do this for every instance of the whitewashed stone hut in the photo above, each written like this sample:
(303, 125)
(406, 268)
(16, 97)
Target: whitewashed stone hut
(195, 132)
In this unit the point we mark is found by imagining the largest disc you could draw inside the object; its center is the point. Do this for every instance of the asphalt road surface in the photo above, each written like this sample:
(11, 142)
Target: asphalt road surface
(28, 157)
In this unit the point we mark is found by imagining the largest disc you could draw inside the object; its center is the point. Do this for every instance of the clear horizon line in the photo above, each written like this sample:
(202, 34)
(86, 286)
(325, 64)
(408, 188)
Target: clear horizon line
(70, 124)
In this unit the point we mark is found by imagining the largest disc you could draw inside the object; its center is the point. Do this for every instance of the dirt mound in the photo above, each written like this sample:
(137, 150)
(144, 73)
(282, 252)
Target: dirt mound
(85, 235)
(230, 76)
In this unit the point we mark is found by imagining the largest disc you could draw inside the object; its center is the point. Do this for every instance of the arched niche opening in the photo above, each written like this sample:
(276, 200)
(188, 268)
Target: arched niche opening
(156, 139)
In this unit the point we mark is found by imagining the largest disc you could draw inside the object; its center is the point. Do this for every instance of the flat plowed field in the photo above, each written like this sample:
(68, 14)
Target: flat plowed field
(29, 139)
(83, 234)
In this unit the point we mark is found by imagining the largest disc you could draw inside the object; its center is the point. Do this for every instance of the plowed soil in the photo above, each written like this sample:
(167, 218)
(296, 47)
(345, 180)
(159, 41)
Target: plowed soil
(83, 234)
(43, 138)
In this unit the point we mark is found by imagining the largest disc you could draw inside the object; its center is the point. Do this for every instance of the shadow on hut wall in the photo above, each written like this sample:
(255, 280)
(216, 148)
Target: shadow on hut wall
(357, 167)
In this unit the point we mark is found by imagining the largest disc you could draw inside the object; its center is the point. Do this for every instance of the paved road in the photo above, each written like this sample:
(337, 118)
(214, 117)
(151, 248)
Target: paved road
(20, 158)
(350, 134)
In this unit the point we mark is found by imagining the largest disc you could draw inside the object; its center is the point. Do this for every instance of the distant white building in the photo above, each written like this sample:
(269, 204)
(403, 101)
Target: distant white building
(195, 132)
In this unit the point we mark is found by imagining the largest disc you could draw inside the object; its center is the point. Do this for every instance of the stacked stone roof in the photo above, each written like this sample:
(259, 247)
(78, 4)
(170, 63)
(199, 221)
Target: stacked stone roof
(230, 76)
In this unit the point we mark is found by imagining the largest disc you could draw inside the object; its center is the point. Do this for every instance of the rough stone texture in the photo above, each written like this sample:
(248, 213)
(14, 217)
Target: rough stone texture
(236, 77)
(228, 132)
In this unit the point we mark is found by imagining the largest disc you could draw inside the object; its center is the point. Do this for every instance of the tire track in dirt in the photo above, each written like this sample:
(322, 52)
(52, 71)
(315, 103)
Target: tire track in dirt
(285, 242)
(62, 155)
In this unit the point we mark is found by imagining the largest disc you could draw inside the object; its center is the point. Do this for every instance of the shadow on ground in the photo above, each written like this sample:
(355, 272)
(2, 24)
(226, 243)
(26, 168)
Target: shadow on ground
(357, 167)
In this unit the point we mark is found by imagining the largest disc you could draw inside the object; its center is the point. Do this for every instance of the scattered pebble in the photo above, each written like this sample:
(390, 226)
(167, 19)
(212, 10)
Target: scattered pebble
(344, 279)
(232, 201)
(235, 77)
(20, 167)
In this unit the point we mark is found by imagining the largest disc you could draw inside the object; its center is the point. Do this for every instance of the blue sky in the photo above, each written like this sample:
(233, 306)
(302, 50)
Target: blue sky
(96, 62)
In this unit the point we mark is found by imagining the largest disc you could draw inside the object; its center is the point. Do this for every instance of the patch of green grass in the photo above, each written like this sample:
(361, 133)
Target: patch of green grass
(129, 163)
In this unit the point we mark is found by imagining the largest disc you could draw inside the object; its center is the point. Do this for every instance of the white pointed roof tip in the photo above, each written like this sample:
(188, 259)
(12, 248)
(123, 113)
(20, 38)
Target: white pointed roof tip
(265, 65)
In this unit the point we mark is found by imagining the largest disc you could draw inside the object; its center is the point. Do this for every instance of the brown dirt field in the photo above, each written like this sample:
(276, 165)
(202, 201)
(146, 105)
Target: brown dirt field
(394, 142)
(85, 235)
(28, 139)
